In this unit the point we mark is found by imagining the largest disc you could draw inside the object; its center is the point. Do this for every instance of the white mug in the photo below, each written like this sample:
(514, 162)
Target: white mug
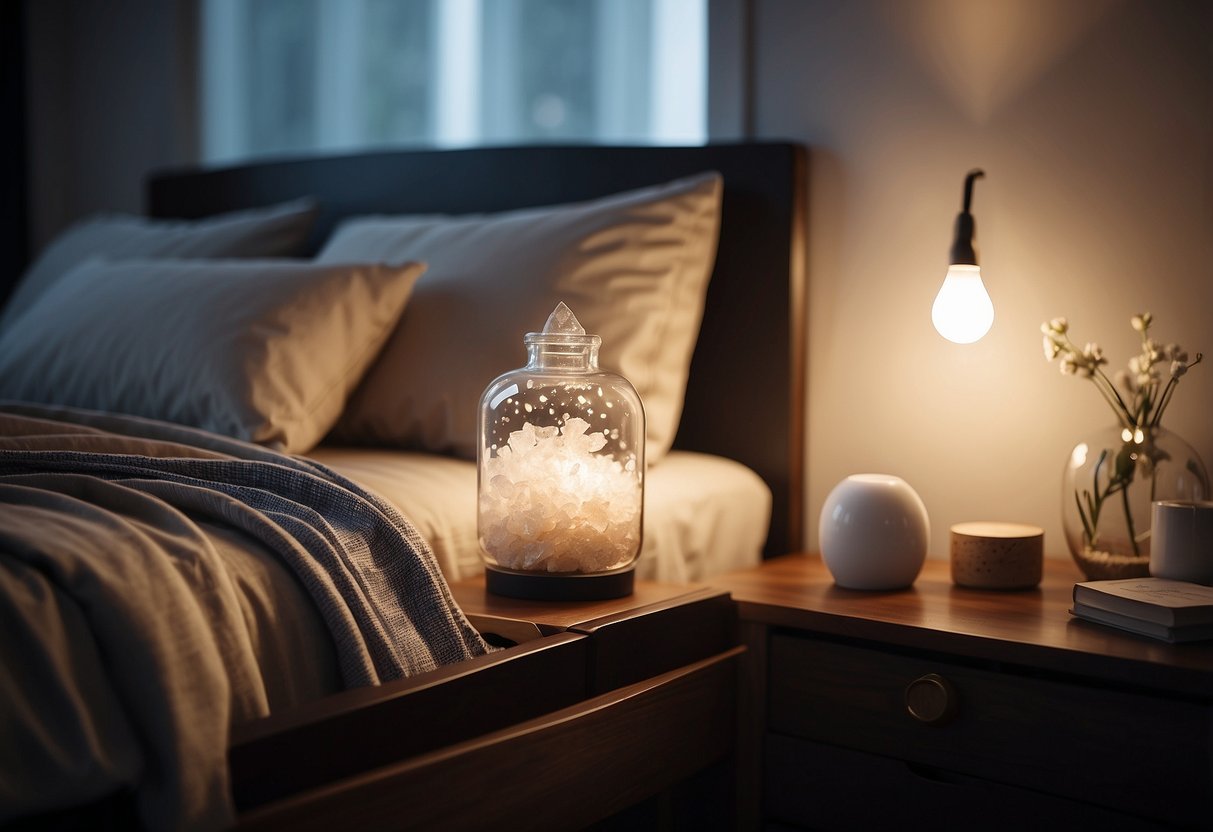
(1181, 545)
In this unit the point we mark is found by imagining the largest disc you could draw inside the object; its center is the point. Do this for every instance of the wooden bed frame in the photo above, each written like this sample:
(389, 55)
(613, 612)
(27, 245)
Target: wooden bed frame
(619, 714)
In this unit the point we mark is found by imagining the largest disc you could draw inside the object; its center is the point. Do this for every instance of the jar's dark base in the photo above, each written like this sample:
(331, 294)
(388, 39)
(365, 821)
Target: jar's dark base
(558, 586)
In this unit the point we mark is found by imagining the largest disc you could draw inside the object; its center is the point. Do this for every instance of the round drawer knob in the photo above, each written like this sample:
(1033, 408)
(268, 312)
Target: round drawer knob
(931, 698)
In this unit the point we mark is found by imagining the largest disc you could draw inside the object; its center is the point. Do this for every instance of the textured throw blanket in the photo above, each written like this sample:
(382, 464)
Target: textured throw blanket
(126, 647)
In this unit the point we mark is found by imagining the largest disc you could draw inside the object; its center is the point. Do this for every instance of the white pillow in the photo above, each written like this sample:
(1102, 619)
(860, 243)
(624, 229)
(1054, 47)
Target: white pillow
(633, 267)
(276, 231)
(264, 351)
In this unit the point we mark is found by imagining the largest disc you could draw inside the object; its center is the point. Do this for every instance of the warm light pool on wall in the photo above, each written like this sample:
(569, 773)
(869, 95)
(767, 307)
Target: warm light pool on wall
(962, 312)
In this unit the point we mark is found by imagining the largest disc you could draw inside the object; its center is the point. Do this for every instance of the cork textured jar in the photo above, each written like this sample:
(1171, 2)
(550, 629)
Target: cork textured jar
(997, 555)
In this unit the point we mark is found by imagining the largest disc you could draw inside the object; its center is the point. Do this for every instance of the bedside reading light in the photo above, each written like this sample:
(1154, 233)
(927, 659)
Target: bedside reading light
(962, 312)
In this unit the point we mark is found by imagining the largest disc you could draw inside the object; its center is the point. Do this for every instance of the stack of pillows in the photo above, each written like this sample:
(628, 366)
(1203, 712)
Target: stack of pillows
(386, 337)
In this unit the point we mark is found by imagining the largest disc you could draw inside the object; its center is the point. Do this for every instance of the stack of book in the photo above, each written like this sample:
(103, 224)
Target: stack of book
(1173, 611)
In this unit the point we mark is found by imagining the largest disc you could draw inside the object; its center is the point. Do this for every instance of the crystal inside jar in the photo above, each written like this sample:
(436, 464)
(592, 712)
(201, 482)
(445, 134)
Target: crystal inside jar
(560, 471)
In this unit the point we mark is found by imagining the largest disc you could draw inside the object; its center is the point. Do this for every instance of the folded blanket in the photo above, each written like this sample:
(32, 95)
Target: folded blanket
(125, 654)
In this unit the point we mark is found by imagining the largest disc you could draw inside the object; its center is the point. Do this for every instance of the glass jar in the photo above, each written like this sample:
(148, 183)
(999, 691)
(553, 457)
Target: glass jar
(1110, 482)
(560, 469)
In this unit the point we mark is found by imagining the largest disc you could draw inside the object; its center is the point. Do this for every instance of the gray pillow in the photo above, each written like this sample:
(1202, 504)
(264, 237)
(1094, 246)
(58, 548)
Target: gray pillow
(264, 351)
(277, 231)
(633, 267)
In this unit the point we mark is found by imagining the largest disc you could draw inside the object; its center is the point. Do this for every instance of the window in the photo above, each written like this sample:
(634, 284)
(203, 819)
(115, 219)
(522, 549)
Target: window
(282, 76)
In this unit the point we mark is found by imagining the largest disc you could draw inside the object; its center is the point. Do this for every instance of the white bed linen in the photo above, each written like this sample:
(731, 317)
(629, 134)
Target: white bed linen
(703, 514)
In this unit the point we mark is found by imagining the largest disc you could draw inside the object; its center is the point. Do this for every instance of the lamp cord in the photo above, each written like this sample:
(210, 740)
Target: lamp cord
(973, 174)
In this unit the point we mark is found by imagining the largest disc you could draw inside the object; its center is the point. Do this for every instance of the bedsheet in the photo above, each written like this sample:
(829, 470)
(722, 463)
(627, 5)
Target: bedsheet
(704, 514)
(159, 585)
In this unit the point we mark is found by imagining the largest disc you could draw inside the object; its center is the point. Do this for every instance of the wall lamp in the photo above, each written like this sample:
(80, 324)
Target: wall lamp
(962, 311)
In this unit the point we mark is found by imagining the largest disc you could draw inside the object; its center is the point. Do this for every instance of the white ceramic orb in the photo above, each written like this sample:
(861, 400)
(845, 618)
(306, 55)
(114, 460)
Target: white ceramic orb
(874, 532)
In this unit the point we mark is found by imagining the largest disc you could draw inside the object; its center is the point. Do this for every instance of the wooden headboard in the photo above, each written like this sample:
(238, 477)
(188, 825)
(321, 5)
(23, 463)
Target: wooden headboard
(746, 391)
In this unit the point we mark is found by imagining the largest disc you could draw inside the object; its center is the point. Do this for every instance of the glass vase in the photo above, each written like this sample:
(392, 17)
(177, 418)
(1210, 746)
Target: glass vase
(1109, 483)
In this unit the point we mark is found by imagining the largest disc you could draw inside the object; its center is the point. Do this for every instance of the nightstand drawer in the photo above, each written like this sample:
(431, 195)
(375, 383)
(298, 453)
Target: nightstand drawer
(1075, 740)
(823, 787)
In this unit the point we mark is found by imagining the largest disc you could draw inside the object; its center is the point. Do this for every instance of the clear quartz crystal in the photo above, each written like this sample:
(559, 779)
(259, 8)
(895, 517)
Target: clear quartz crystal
(562, 321)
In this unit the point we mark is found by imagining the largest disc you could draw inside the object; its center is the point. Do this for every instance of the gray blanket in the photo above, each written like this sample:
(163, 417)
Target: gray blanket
(126, 639)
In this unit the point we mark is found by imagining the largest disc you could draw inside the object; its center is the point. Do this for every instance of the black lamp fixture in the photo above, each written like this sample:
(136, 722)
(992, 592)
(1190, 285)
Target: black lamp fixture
(962, 311)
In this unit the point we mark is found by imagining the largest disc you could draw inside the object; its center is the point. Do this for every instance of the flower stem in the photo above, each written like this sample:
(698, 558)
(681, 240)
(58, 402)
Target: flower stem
(1169, 391)
(1163, 401)
(1124, 496)
(1115, 400)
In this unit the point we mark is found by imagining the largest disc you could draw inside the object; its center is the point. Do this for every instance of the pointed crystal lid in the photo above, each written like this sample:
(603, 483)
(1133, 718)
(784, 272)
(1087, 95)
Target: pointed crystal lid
(562, 321)
(564, 334)
(562, 327)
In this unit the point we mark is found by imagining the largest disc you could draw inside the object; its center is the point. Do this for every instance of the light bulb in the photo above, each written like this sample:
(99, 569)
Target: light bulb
(962, 311)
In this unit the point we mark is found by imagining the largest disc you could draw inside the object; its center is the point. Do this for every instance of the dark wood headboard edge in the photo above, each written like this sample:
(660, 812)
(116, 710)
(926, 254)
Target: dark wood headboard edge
(798, 290)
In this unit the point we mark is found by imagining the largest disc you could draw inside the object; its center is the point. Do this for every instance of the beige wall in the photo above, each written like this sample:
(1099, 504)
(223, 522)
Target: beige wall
(1093, 120)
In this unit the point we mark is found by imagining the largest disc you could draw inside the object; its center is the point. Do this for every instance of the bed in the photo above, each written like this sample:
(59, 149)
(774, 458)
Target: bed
(726, 421)
(740, 301)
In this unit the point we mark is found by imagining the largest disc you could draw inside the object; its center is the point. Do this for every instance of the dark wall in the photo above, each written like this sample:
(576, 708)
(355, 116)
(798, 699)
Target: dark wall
(14, 226)
(111, 95)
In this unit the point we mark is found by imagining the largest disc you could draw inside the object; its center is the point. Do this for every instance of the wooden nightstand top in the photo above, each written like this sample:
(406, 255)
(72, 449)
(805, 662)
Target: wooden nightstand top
(559, 616)
(1033, 628)
(655, 629)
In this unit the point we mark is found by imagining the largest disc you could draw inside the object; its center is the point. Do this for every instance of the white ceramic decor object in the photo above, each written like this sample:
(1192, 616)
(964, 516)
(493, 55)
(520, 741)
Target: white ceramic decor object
(874, 532)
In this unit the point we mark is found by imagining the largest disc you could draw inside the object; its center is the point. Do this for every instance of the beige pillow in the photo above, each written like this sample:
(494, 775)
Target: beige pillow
(276, 231)
(633, 267)
(265, 351)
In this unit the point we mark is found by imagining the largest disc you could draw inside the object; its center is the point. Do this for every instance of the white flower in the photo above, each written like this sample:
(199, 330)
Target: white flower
(1174, 352)
(1092, 355)
(1146, 398)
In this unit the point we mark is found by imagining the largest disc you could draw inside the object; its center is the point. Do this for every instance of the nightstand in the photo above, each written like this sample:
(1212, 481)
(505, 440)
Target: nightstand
(945, 707)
